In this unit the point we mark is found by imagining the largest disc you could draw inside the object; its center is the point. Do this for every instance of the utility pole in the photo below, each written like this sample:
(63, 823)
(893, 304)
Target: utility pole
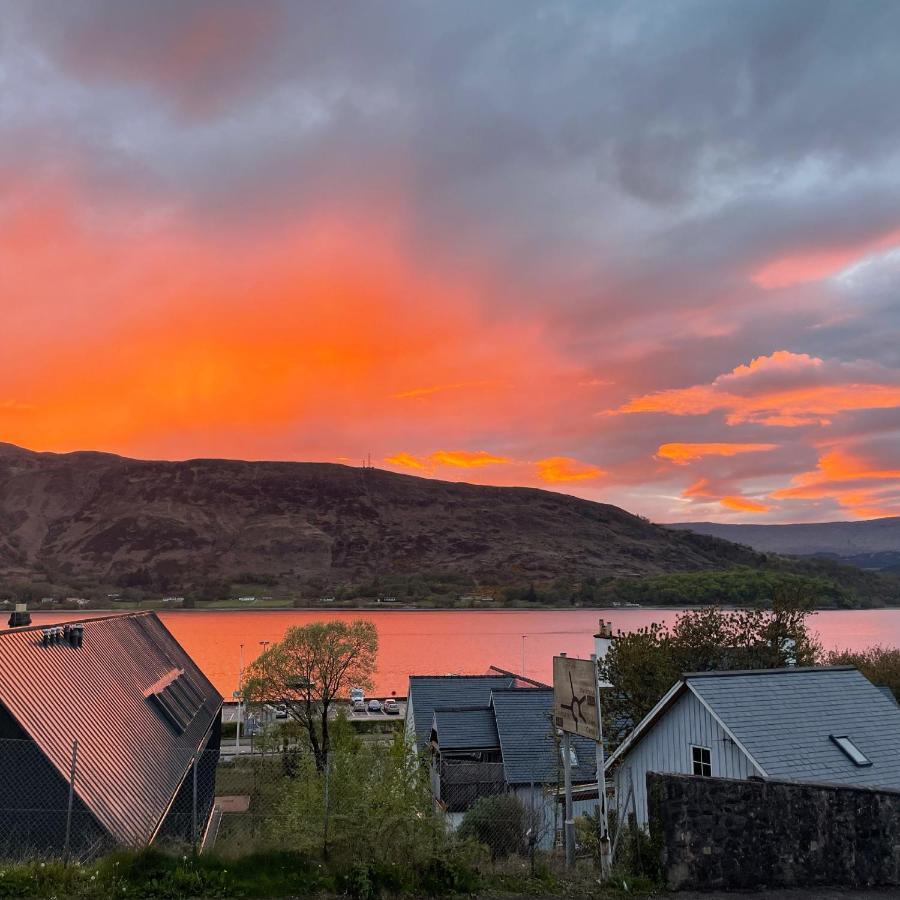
(602, 810)
(569, 822)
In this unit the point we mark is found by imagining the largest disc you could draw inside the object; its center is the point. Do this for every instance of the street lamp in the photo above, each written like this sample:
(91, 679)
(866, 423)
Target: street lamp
(240, 700)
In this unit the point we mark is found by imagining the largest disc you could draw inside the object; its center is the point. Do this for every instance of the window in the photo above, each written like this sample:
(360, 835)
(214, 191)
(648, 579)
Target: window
(855, 754)
(701, 757)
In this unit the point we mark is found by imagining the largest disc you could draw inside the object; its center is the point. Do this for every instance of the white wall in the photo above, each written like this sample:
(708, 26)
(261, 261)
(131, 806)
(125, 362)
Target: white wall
(666, 747)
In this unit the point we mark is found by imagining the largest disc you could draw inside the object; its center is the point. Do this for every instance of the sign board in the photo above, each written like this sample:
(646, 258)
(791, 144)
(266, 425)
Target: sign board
(237, 695)
(575, 696)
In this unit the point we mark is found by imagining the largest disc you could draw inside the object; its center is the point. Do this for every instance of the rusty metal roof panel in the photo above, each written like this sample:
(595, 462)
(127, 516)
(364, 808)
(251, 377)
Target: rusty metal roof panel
(131, 760)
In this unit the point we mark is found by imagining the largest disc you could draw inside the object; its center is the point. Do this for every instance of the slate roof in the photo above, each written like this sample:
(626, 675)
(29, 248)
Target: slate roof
(530, 754)
(466, 728)
(885, 689)
(428, 691)
(131, 761)
(784, 718)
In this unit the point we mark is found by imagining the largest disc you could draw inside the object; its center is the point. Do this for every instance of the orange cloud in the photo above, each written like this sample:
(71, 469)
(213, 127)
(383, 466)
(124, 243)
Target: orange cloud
(681, 454)
(743, 504)
(855, 483)
(464, 459)
(407, 461)
(815, 265)
(459, 459)
(562, 468)
(784, 389)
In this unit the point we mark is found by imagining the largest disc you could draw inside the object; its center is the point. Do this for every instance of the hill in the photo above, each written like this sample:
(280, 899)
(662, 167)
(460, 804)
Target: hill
(872, 544)
(90, 519)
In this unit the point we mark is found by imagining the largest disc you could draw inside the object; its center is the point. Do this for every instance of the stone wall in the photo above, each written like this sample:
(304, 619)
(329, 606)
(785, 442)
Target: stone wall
(720, 833)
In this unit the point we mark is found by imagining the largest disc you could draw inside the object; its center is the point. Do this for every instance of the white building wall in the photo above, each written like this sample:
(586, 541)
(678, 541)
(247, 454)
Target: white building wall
(666, 748)
(410, 722)
(542, 803)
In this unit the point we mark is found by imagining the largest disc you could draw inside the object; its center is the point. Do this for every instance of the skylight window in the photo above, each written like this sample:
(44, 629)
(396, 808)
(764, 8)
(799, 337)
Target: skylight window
(853, 752)
(177, 698)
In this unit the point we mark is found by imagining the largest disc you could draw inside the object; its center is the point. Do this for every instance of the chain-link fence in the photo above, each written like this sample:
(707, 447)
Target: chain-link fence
(372, 804)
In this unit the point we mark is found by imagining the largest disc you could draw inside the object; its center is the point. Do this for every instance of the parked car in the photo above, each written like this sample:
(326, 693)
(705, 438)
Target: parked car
(356, 694)
(374, 705)
(392, 707)
(281, 711)
(358, 706)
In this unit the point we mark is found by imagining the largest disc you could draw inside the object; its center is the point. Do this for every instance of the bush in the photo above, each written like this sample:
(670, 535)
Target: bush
(500, 823)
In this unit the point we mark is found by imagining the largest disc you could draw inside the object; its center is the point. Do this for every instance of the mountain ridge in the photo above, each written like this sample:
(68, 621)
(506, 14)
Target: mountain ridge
(86, 514)
(89, 518)
(870, 543)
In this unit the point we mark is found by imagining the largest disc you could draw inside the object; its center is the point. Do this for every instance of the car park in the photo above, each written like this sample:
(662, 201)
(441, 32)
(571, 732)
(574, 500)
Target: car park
(392, 707)
(358, 706)
(374, 705)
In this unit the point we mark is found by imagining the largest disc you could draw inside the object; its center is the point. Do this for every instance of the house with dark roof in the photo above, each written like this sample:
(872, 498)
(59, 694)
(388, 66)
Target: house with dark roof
(101, 724)
(817, 724)
(428, 691)
(507, 744)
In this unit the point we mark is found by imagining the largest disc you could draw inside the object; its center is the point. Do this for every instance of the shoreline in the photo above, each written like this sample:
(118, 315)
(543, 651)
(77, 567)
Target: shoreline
(428, 609)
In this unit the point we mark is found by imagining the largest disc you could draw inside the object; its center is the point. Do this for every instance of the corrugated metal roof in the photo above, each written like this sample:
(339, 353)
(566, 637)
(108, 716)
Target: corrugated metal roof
(130, 761)
(784, 719)
(466, 728)
(428, 691)
(530, 752)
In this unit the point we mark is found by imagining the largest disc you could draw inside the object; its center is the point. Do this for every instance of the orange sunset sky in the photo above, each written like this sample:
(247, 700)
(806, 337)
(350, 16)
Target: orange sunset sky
(644, 253)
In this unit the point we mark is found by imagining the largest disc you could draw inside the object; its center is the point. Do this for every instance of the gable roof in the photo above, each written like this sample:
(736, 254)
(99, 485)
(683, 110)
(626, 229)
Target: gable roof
(527, 742)
(429, 691)
(783, 719)
(109, 694)
(466, 728)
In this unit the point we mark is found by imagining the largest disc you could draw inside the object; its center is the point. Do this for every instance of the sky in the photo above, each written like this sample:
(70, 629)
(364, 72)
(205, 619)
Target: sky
(643, 252)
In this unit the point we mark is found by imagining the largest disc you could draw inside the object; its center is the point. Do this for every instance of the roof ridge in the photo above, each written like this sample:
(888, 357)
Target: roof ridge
(131, 614)
(528, 690)
(452, 675)
(792, 670)
(451, 708)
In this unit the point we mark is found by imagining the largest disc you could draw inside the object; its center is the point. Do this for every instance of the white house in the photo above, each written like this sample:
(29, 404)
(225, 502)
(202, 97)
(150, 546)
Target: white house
(826, 724)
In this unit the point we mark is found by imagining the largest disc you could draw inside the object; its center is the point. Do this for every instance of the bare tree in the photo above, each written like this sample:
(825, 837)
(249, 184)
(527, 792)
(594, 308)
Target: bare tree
(309, 669)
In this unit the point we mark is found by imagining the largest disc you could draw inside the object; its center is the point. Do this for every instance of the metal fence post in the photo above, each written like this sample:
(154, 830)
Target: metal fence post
(72, 769)
(194, 823)
(569, 825)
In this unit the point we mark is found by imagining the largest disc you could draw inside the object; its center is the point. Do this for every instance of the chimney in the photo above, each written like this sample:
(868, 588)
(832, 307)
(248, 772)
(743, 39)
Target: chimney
(602, 642)
(20, 616)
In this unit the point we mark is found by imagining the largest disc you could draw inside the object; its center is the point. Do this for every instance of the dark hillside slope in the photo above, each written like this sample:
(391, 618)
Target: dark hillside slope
(93, 518)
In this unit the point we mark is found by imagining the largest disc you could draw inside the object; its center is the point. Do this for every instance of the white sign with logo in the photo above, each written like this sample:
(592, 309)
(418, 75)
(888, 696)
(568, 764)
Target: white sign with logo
(575, 696)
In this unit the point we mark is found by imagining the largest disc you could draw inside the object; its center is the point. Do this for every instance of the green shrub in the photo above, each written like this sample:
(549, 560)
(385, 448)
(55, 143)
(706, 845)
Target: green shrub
(500, 823)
